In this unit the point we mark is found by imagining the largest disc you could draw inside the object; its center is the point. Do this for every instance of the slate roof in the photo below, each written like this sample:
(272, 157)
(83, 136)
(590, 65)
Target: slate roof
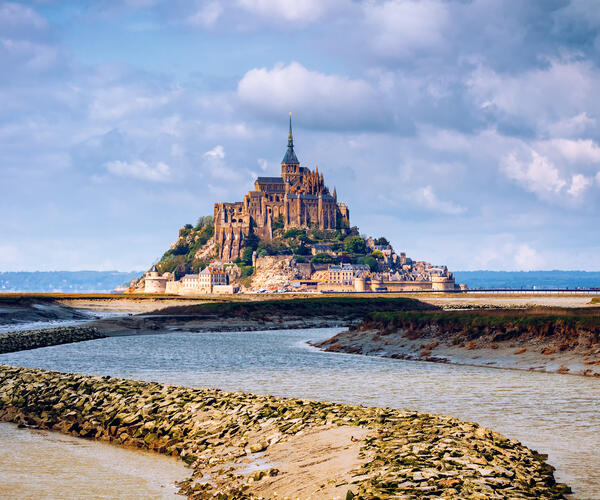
(290, 156)
(269, 180)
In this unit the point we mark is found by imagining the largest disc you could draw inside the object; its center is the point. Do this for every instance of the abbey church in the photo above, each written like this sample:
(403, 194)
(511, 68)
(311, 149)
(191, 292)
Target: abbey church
(299, 198)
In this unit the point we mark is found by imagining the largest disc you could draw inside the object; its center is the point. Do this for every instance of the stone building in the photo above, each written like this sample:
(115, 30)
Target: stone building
(213, 279)
(155, 283)
(345, 273)
(298, 198)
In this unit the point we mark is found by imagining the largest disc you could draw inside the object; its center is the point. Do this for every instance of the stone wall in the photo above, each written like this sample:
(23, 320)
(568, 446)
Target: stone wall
(32, 339)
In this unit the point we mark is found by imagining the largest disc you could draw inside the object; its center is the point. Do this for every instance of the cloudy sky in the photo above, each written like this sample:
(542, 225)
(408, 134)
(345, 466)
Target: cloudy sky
(465, 131)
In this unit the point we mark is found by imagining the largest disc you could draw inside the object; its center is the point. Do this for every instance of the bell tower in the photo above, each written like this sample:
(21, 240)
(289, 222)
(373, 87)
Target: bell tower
(290, 166)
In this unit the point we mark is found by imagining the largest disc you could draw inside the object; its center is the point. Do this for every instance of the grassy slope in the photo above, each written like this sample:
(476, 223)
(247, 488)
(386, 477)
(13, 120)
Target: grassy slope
(472, 324)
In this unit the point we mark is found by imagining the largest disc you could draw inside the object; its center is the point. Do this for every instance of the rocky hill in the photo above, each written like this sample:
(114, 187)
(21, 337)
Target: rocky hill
(275, 260)
(290, 254)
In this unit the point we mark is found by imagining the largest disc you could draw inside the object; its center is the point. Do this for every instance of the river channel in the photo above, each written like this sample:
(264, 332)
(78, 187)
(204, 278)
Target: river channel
(554, 414)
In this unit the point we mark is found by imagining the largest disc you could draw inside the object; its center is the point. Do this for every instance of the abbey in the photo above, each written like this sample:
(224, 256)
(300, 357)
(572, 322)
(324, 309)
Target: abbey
(299, 198)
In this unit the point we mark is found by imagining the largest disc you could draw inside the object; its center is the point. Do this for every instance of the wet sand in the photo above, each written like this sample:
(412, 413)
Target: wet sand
(37, 464)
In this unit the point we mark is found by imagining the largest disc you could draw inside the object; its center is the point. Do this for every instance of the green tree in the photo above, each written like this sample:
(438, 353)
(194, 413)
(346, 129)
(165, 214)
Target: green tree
(252, 241)
(278, 224)
(302, 250)
(355, 244)
(369, 261)
(181, 249)
(207, 220)
(382, 241)
(246, 271)
(247, 256)
(293, 233)
(377, 254)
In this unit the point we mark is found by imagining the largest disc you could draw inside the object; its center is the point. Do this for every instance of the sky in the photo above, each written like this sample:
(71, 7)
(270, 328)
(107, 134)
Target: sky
(465, 131)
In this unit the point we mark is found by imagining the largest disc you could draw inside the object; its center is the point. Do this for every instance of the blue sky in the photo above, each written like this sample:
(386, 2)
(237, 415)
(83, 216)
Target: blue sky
(467, 132)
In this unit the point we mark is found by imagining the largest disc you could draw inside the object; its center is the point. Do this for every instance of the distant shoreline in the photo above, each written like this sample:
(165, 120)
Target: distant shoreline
(86, 282)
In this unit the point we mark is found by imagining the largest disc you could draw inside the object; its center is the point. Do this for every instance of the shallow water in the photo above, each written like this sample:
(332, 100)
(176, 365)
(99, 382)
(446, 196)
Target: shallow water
(38, 464)
(554, 414)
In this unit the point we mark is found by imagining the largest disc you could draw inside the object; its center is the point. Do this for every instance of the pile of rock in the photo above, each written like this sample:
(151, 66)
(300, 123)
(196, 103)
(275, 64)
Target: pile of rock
(32, 339)
(405, 453)
(274, 272)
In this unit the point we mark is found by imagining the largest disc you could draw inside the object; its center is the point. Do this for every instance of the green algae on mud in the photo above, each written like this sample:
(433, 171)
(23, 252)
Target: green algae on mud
(313, 306)
(539, 321)
(405, 453)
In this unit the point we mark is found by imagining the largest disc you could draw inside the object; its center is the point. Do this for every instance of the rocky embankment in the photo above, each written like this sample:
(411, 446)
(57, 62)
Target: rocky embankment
(32, 339)
(543, 339)
(249, 446)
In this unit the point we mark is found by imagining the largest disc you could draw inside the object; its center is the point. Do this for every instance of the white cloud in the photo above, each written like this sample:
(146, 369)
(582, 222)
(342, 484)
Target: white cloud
(324, 100)
(427, 198)
(541, 176)
(571, 126)
(31, 55)
(15, 16)
(579, 183)
(581, 150)
(139, 169)
(540, 97)
(218, 152)
(207, 15)
(217, 168)
(537, 175)
(527, 258)
(400, 26)
(111, 102)
(505, 252)
(302, 11)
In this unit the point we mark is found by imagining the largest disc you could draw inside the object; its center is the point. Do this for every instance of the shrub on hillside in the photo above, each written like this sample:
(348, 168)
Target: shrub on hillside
(324, 258)
(355, 245)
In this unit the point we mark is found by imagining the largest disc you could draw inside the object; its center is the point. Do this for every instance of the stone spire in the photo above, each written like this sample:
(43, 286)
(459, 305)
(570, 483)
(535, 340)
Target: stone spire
(290, 156)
